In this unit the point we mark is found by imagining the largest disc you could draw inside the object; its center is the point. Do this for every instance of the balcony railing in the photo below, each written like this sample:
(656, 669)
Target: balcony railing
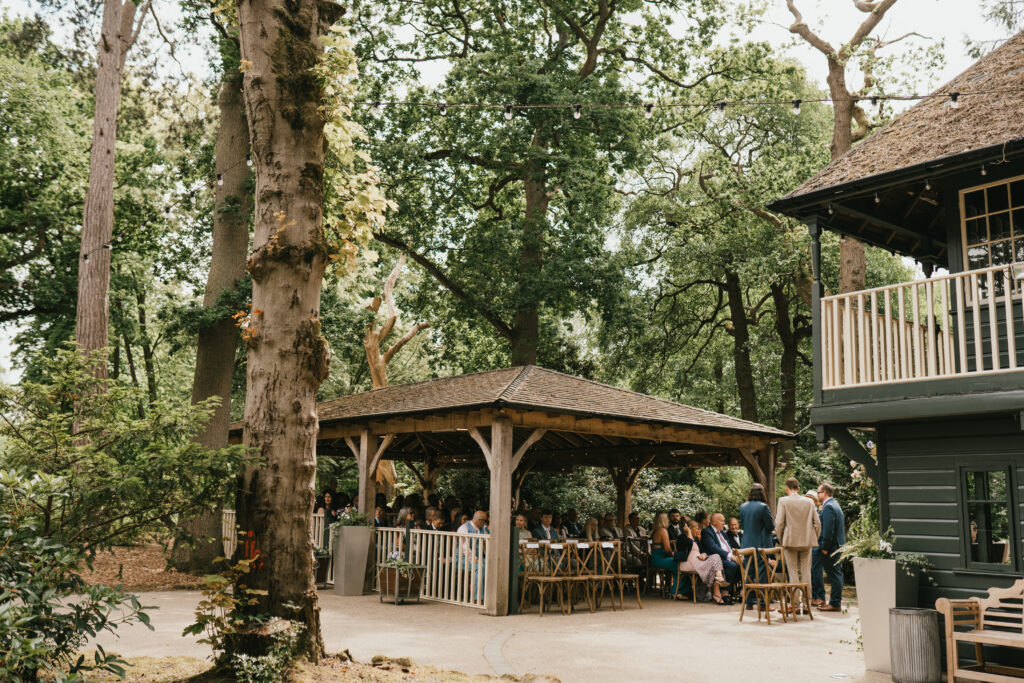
(949, 326)
(229, 531)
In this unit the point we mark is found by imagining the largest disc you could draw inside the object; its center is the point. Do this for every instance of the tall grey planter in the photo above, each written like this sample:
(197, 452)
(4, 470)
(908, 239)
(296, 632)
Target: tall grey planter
(880, 585)
(914, 645)
(351, 547)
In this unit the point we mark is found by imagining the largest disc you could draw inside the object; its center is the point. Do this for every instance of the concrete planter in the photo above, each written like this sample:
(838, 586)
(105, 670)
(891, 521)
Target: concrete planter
(351, 547)
(880, 585)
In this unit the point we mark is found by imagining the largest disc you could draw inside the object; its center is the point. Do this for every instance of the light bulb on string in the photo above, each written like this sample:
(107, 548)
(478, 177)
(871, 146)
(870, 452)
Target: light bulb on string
(927, 183)
(577, 111)
(796, 107)
(248, 159)
(85, 257)
(830, 209)
(878, 200)
(954, 100)
(442, 107)
(876, 102)
(220, 179)
(648, 110)
(984, 171)
(167, 210)
(508, 112)
(375, 109)
(719, 112)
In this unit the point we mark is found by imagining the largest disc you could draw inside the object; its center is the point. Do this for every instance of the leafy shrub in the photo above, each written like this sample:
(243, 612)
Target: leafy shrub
(47, 613)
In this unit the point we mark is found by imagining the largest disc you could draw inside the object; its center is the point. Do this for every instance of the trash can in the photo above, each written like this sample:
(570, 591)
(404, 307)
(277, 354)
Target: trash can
(914, 646)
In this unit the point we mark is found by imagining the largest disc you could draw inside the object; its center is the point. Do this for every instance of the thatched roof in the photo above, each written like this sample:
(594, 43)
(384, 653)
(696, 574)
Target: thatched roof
(932, 130)
(529, 388)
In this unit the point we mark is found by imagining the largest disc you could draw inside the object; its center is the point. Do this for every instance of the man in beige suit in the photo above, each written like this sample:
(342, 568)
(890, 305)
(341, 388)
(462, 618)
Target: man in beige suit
(797, 526)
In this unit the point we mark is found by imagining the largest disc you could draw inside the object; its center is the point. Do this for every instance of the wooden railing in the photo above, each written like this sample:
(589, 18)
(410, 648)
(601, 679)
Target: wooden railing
(229, 531)
(919, 330)
(455, 563)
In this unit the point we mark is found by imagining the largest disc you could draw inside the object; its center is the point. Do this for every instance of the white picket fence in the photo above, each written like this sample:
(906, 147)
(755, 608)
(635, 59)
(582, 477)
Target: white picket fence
(455, 563)
(229, 531)
(919, 330)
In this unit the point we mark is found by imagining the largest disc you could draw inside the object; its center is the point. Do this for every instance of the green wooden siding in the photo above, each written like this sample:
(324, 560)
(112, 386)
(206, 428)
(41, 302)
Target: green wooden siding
(922, 461)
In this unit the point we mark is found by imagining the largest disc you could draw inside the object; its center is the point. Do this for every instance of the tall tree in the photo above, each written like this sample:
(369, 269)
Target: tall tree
(850, 122)
(505, 207)
(296, 101)
(118, 32)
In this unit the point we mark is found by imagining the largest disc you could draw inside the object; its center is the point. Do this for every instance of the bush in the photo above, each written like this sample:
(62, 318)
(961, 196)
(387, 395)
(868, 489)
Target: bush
(47, 613)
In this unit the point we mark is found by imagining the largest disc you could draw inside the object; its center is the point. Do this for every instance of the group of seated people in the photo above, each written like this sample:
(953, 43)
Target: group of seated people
(410, 511)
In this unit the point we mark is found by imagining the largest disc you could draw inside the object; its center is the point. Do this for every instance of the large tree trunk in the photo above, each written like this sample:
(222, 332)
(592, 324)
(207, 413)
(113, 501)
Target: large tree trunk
(287, 356)
(526, 320)
(92, 312)
(852, 259)
(787, 362)
(741, 347)
(147, 344)
(215, 351)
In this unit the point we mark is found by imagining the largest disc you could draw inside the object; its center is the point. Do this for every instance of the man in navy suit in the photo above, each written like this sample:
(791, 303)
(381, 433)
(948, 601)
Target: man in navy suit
(713, 540)
(833, 536)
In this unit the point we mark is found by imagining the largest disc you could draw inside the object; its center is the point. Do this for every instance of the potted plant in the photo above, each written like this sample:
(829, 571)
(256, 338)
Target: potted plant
(322, 563)
(885, 578)
(351, 536)
(399, 579)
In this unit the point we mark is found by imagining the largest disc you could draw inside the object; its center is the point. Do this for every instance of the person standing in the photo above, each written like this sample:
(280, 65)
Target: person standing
(832, 537)
(797, 526)
(758, 525)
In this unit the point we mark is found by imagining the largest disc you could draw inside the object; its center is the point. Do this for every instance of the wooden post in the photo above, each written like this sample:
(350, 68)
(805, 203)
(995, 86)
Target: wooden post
(768, 460)
(499, 552)
(367, 479)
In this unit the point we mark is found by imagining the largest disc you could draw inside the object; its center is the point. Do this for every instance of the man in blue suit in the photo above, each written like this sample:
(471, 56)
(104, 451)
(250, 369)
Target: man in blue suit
(833, 536)
(758, 525)
(713, 541)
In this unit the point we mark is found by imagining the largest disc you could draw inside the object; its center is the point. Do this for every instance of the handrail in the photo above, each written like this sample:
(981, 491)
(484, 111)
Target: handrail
(934, 278)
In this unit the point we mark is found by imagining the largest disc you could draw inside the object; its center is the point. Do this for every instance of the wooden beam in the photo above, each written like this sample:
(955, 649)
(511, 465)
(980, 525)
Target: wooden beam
(530, 440)
(352, 446)
(367, 481)
(482, 442)
(385, 442)
(499, 555)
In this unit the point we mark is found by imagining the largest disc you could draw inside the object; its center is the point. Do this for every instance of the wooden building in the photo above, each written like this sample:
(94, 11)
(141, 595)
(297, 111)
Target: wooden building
(516, 420)
(931, 370)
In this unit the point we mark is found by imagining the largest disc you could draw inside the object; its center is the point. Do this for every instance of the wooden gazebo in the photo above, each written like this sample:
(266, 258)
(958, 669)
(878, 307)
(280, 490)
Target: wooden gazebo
(515, 420)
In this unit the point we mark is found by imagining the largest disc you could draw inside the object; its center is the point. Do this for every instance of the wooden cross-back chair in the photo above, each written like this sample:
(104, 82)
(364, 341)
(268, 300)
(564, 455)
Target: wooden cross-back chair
(622, 578)
(995, 620)
(543, 570)
(747, 559)
(597, 570)
(778, 577)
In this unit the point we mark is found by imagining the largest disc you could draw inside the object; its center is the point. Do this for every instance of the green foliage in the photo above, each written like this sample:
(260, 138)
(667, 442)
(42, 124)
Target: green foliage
(353, 518)
(47, 612)
(219, 614)
(125, 477)
(869, 543)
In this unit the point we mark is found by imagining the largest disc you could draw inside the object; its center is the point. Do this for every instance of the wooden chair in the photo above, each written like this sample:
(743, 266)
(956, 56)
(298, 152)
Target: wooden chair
(778, 577)
(599, 571)
(622, 578)
(747, 559)
(995, 620)
(541, 570)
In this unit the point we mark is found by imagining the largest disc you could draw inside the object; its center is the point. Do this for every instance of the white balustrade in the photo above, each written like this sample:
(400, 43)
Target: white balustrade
(920, 330)
(455, 563)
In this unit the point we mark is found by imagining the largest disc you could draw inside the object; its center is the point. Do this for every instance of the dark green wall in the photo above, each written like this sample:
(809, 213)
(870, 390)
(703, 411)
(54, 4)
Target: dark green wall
(920, 464)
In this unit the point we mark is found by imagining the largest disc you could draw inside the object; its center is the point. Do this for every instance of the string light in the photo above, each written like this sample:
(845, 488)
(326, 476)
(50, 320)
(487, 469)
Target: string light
(508, 112)
(954, 100)
(984, 171)
(796, 107)
(830, 209)
(878, 200)
(577, 111)
(248, 159)
(648, 110)
(443, 108)
(220, 179)
(375, 109)
(875, 102)
(719, 113)
(927, 183)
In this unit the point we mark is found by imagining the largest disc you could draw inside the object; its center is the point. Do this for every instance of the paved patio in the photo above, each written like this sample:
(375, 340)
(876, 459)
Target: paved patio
(665, 640)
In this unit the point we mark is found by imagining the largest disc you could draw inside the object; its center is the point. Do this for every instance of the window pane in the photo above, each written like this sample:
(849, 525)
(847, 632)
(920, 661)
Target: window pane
(976, 231)
(997, 485)
(972, 489)
(974, 203)
(1017, 192)
(997, 198)
(1018, 222)
(990, 532)
(977, 257)
(1001, 253)
(1018, 248)
(999, 226)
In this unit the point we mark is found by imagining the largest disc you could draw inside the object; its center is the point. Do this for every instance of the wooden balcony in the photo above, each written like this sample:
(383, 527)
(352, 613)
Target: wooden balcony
(959, 325)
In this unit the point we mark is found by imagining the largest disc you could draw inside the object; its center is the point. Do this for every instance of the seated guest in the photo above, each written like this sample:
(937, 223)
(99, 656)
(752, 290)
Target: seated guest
(734, 534)
(381, 501)
(533, 517)
(608, 529)
(713, 542)
(591, 531)
(661, 545)
(572, 524)
(702, 520)
(692, 559)
(524, 531)
(633, 528)
(556, 524)
(439, 522)
(429, 516)
(378, 517)
(403, 516)
(675, 519)
(455, 517)
(544, 531)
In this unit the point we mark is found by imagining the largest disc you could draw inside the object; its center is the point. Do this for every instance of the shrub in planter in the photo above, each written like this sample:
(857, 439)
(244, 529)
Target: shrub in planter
(398, 577)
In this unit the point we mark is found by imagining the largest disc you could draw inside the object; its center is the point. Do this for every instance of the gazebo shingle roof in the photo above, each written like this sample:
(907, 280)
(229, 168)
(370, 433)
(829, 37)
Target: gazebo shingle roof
(532, 388)
(932, 130)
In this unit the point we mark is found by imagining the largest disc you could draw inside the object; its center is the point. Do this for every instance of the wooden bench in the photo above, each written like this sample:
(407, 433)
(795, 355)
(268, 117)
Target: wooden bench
(995, 620)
